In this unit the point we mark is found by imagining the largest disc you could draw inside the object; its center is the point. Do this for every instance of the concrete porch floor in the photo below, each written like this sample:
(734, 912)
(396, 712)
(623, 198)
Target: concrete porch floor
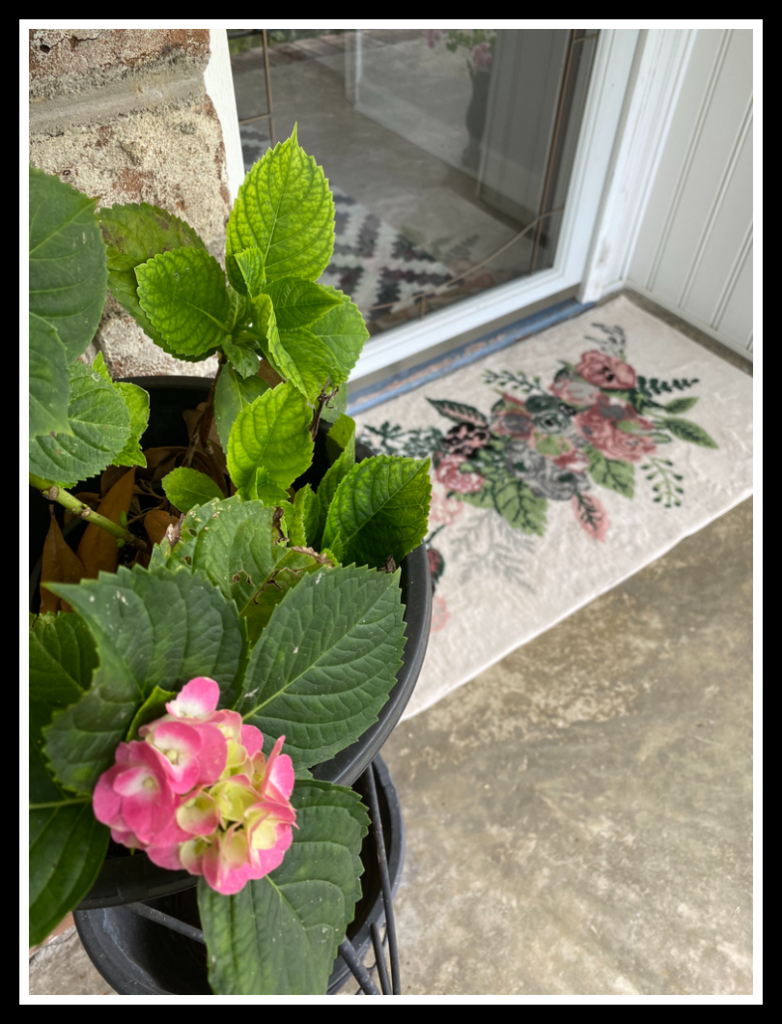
(579, 816)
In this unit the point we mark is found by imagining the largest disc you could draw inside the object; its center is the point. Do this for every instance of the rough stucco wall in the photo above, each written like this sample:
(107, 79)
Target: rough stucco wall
(122, 115)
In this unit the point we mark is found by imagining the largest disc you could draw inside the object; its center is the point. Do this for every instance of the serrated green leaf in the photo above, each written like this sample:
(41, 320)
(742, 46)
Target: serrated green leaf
(154, 707)
(184, 295)
(310, 514)
(237, 539)
(298, 303)
(343, 330)
(160, 629)
(194, 522)
(186, 488)
(686, 430)
(67, 261)
(280, 934)
(48, 389)
(303, 359)
(335, 406)
(63, 656)
(285, 209)
(326, 662)
(614, 474)
(341, 435)
(250, 264)
(680, 404)
(232, 394)
(271, 434)
(264, 489)
(344, 443)
(100, 425)
(297, 534)
(135, 232)
(137, 401)
(380, 508)
(242, 355)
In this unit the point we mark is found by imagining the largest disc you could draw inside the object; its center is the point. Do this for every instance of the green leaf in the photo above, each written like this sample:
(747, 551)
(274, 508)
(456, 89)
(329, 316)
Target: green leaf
(250, 264)
(100, 425)
(242, 355)
(681, 404)
(152, 629)
(303, 359)
(154, 707)
(380, 508)
(298, 303)
(285, 209)
(273, 434)
(135, 232)
(326, 662)
(48, 390)
(341, 435)
(280, 934)
(185, 297)
(264, 489)
(343, 330)
(615, 474)
(67, 261)
(301, 511)
(232, 394)
(67, 850)
(310, 518)
(137, 401)
(686, 430)
(345, 435)
(193, 525)
(187, 488)
(63, 657)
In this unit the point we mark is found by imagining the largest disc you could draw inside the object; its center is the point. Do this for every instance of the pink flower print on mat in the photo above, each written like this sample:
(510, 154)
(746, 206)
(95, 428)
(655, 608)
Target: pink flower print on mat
(600, 426)
(605, 371)
(439, 614)
(449, 474)
(591, 515)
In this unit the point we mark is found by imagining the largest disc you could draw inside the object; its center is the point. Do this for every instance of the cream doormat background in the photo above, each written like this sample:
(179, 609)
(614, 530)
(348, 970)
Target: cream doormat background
(555, 477)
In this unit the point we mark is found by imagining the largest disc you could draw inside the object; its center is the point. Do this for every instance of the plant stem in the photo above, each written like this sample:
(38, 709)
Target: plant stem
(59, 803)
(53, 493)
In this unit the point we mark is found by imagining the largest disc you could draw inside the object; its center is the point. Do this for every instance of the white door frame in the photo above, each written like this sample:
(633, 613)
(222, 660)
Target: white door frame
(613, 70)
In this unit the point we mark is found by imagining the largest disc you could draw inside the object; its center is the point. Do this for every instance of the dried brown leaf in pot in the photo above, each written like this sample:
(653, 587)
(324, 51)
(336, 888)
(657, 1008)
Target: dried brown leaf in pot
(59, 564)
(98, 549)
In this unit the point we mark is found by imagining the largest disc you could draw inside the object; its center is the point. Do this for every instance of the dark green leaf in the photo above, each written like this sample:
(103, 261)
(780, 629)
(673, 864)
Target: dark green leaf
(154, 707)
(100, 425)
(243, 356)
(380, 508)
(67, 261)
(63, 657)
(326, 662)
(279, 935)
(48, 392)
(152, 629)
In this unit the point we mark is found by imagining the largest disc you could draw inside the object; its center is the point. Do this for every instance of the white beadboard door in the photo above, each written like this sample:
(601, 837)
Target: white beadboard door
(693, 249)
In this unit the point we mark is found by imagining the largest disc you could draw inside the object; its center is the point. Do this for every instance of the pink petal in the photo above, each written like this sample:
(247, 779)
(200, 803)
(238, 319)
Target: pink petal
(213, 756)
(106, 802)
(279, 772)
(180, 744)
(196, 699)
(165, 856)
(252, 739)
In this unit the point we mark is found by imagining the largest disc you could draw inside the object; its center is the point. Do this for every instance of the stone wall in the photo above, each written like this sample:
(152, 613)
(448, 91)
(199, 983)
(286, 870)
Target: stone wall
(122, 114)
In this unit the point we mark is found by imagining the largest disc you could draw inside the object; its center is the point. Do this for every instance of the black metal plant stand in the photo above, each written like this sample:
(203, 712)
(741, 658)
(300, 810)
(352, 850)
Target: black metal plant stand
(115, 937)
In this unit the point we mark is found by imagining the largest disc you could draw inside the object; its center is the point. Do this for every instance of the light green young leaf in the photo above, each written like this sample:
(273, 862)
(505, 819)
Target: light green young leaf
(285, 209)
(271, 434)
(380, 508)
(304, 359)
(298, 303)
(48, 393)
(344, 331)
(264, 489)
(242, 355)
(137, 401)
(326, 662)
(67, 261)
(152, 629)
(135, 232)
(280, 934)
(336, 406)
(250, 264)
(341, 447)
(186, 488)
(184, 295)
(341, 435)
(100, 428)
(232, 394)
(310, 517)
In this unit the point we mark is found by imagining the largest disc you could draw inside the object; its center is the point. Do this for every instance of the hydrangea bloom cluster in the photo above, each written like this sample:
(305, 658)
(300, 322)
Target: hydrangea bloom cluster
(197, 793)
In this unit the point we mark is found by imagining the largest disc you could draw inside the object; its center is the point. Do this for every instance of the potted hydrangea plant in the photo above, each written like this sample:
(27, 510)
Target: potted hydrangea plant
(248, 625)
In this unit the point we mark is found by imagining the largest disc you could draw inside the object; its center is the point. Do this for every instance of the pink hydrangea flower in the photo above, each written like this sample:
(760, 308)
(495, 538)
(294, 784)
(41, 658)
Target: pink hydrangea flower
(198, 793)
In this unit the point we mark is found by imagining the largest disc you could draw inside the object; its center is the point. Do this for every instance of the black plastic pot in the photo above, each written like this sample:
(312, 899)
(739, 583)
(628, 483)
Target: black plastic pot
(139, 956)
(127, 879)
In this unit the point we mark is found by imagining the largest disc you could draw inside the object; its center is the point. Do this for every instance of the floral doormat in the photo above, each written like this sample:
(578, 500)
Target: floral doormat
(560, 466)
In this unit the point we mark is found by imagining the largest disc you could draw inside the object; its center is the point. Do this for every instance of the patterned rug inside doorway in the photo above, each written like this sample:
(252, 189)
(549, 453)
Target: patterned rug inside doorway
(373, 263)
(560, 466)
